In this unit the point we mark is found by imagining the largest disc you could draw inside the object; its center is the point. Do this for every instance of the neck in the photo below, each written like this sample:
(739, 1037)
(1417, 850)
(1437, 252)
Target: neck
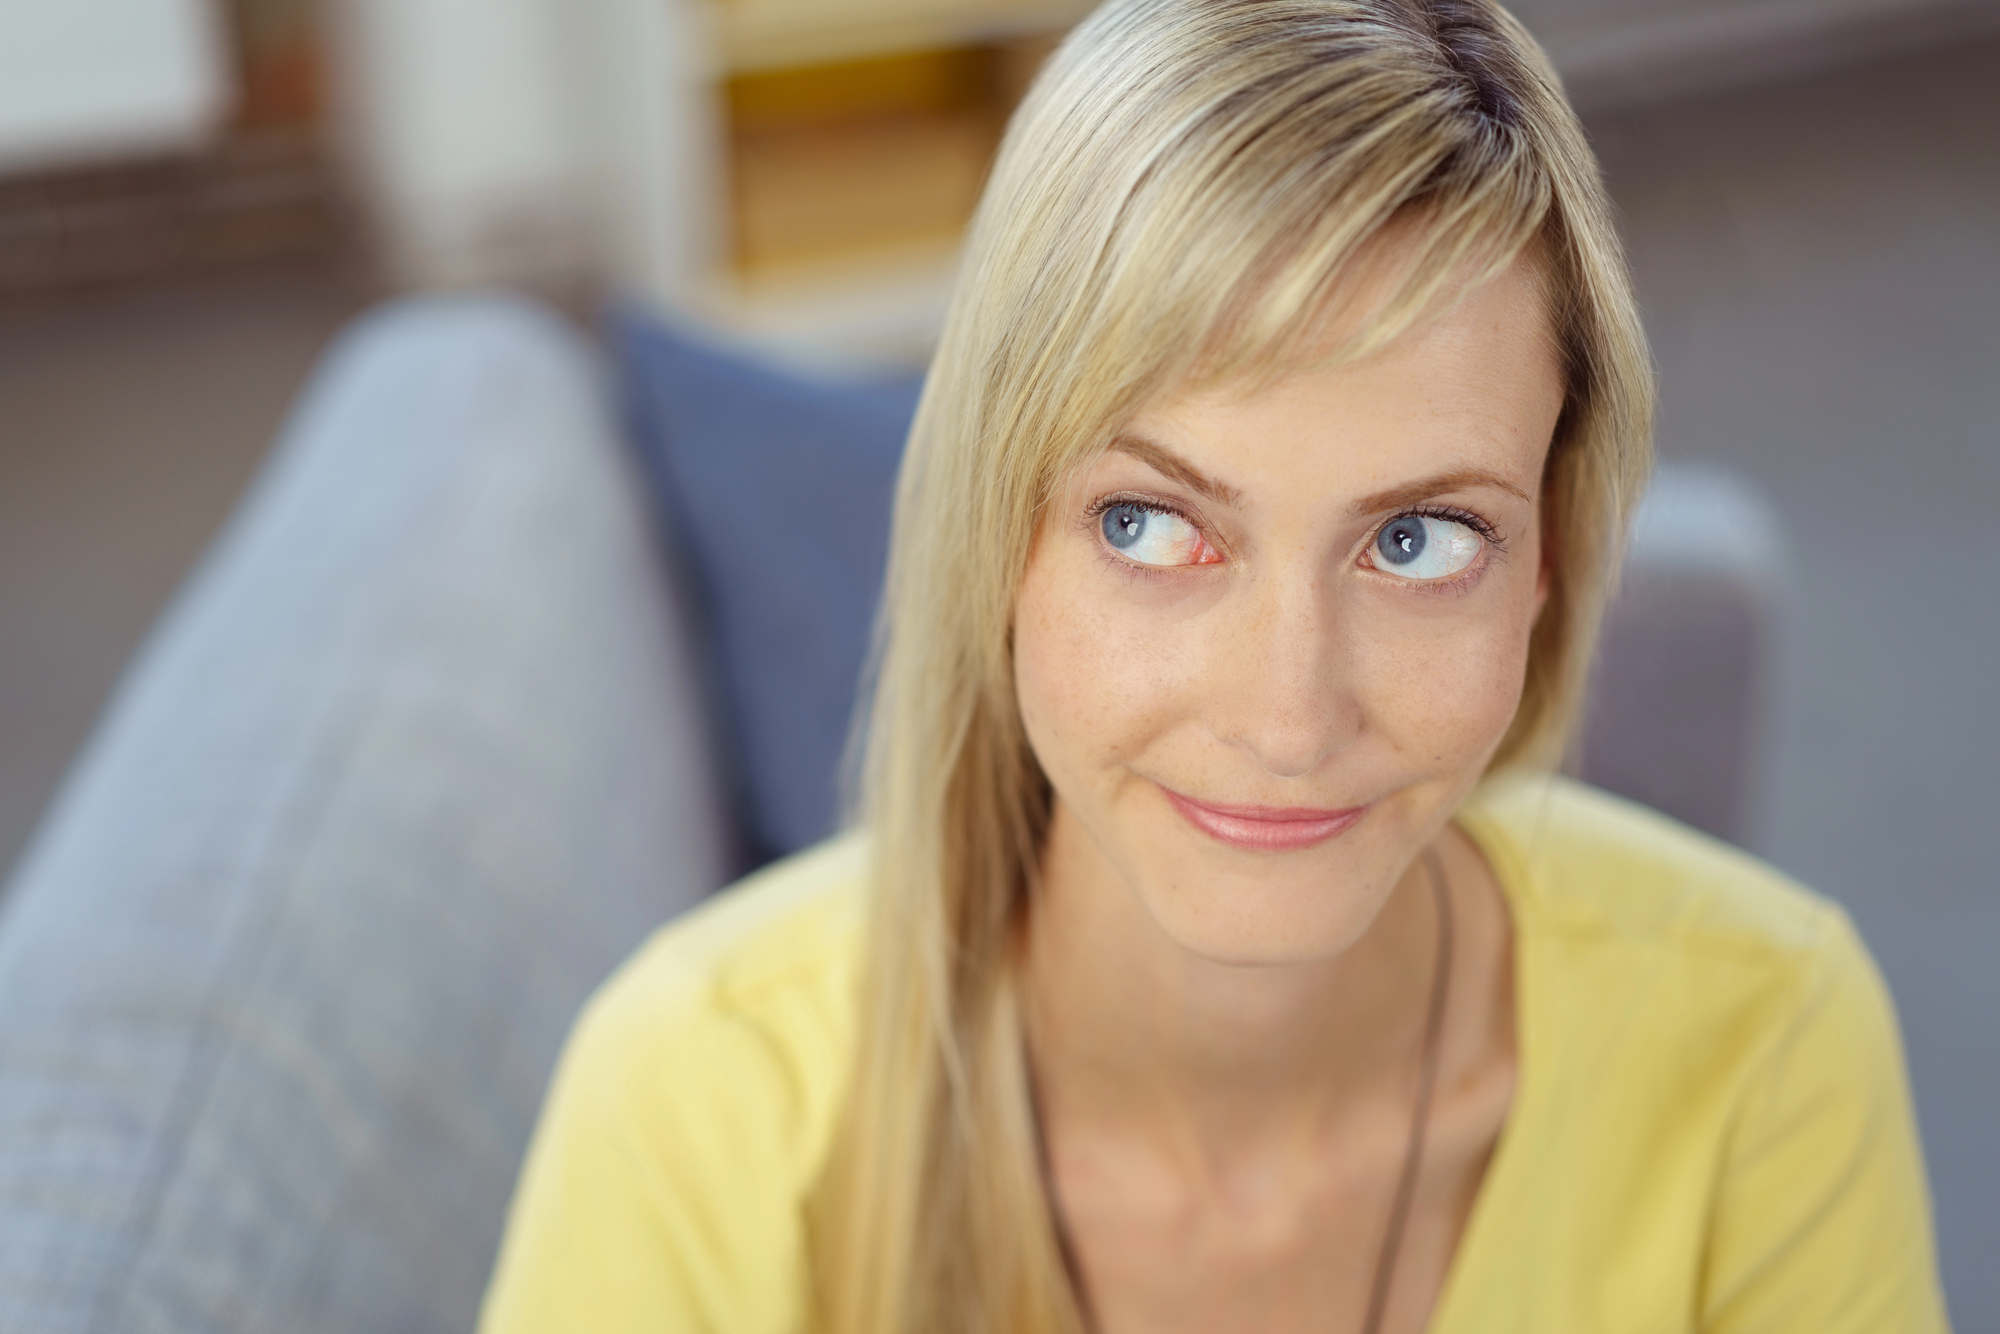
(1128, 1027)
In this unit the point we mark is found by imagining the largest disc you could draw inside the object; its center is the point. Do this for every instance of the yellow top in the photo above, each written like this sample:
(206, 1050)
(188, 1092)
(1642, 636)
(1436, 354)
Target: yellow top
(1711, 1128)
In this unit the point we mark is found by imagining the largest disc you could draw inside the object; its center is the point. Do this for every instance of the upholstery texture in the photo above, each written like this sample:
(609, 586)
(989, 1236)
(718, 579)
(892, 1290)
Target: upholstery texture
(415, 760)
(777, 487)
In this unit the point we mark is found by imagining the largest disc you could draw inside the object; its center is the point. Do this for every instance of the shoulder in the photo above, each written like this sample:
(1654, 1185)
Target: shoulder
(1645, 937)
(689, 1115)
(1711, 1104)
(792, 924)
(734, 1020)
(1581, 863)
(1703, 1034)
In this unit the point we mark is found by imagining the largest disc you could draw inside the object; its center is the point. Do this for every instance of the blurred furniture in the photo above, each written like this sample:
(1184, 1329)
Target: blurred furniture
(415, 759)
(1676, 715)
(787, 607)
(851, 137)
(248, 200)
(871, 163)
(193, 143)
(419, 755)
(800, 169)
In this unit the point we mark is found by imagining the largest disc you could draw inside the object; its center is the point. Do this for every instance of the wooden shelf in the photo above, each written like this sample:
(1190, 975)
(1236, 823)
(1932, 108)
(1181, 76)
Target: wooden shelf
(850, 180)
(856, 162)
(860, 158)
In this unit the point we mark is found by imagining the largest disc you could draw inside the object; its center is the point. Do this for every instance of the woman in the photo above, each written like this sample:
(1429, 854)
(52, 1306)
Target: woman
(1210, 955)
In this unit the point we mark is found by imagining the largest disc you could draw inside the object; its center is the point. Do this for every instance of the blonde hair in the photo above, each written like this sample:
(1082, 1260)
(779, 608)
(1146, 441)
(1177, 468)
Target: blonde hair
(1181, 198)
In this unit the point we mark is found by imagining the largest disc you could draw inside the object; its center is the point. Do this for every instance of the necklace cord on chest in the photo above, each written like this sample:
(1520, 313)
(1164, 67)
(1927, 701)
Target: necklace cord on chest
(1413, 1155)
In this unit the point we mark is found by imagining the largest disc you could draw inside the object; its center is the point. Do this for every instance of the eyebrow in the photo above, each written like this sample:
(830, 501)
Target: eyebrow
(1460, 479)
(1169, 464)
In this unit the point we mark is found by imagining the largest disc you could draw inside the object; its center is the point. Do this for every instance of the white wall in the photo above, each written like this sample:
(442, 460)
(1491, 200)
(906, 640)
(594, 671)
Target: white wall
(93, 79)
(531, 141)
(1622, 53)
(647, 123)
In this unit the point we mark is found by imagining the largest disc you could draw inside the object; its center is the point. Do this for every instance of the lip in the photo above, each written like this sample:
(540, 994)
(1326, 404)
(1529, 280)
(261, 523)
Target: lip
(1265, 828)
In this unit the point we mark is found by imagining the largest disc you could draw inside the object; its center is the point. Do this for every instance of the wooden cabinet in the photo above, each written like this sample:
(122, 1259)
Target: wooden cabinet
(856, 139)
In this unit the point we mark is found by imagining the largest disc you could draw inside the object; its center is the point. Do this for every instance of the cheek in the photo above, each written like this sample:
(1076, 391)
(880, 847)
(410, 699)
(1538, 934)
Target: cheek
(1446, 693)
(1093, 687)
(1056, 663)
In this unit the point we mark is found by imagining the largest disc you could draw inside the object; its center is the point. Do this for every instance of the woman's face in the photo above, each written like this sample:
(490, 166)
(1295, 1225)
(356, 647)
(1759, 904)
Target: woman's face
(1267, 642)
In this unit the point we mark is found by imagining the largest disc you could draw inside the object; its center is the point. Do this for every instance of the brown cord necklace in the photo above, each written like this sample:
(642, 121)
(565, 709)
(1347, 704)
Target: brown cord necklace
(1413, 1152)
(1413, 1155)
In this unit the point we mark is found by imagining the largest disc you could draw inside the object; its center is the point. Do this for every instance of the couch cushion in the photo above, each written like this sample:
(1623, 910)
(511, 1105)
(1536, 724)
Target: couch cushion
(410, 766)
(777, 487)
(1680, 701)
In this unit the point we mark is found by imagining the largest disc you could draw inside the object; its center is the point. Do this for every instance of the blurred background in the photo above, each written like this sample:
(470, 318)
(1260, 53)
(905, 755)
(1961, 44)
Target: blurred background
(195, 194)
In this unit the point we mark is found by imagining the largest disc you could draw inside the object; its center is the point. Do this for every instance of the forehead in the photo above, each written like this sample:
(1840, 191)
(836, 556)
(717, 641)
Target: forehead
(1477, 385)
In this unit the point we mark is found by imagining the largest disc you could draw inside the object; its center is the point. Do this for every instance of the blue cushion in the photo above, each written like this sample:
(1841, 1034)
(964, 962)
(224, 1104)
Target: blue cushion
(776, 488)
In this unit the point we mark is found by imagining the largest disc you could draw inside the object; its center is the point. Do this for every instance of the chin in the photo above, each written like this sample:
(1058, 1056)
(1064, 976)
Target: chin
(1268, 908)
(1228, 896)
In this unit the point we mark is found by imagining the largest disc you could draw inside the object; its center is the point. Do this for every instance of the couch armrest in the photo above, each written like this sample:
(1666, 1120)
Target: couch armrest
(412, 763)
(1678, 702)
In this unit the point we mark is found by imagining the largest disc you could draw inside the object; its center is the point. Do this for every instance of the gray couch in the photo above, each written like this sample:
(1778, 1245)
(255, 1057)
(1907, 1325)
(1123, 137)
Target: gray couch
(416, 758)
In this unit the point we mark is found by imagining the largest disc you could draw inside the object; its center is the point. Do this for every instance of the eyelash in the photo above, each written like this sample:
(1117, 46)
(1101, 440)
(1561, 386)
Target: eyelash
(1152, 505)
(1149, 504)
(1450, 513)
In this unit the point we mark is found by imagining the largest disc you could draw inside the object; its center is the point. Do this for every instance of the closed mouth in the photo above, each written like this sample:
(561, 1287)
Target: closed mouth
(1265, 828)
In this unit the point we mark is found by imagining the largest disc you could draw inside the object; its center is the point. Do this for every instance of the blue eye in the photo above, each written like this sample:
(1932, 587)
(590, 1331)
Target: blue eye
(1155, 537)
(1124, 525)
(1421, 547)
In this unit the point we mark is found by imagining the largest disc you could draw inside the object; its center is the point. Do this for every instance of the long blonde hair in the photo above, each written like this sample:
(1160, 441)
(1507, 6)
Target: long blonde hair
(1180, 199)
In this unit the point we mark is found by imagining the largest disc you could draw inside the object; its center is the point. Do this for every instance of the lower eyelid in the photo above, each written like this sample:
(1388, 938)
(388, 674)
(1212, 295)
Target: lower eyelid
(1133, 568)
(1453, 583)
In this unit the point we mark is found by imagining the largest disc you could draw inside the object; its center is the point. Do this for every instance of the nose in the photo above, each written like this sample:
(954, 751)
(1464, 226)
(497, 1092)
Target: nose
(1285, 692)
